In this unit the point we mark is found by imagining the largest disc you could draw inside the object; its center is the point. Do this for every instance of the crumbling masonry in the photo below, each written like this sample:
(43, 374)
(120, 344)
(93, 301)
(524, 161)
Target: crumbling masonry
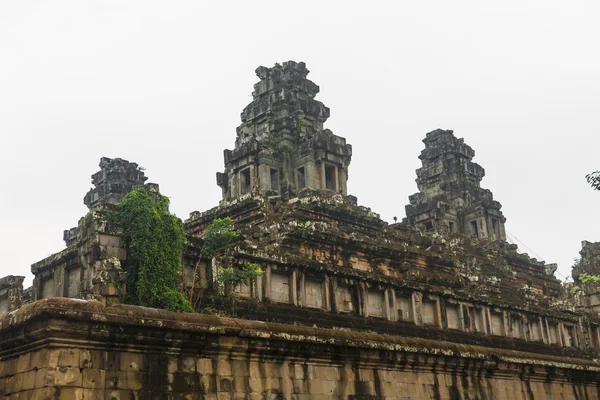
(349, 307)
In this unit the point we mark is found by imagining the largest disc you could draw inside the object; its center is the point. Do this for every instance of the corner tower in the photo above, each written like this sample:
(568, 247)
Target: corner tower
(281, 145)
(450, 196)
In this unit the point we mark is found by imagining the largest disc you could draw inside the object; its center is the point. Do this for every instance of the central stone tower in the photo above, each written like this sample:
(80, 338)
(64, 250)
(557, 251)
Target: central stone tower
(281, 145)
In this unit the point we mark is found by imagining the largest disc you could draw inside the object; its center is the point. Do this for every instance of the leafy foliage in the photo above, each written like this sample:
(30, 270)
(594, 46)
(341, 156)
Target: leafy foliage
(594, 180)
(154, 239)
(233, 277)
(588, 278)
(219, 234)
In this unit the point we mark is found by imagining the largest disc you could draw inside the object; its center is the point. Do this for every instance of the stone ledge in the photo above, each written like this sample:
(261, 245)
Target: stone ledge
(165, 323)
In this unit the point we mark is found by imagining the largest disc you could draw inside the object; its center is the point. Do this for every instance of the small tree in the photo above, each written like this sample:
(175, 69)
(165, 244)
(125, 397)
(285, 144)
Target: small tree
(219, 234)
(232, 277)
(154, 239)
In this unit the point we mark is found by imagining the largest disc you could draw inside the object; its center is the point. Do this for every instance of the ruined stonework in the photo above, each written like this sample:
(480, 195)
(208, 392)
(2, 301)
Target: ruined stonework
(11, 293)
(450, 197)
(281, 144)
(586, 294)
(84, 350)
(116, 178)
(348, 307)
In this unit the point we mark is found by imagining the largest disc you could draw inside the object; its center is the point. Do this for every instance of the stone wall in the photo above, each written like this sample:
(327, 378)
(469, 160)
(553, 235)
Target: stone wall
(69, 349)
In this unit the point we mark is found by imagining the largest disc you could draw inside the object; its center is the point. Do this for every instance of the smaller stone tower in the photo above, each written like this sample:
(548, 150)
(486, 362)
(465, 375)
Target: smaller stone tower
(281, 145)
(450, 197)
(116, 178)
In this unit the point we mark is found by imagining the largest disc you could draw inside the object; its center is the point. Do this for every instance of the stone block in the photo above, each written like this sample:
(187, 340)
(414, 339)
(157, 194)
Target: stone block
(70, 394)
(67, 376)
(204, 366)
(131, 362)
(93, 359)
(94, 378)
(133, 380)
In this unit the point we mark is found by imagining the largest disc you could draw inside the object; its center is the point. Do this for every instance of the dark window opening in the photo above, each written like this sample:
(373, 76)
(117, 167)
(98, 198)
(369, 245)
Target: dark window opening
(451, 227)
(245, 183)
(330, 174)
(474, 229)
(428, 226)
(570, 336)
(301, 178)
(274, 179)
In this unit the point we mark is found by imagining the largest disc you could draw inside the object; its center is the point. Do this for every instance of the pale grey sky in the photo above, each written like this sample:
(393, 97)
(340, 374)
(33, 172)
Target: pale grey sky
(163, 83)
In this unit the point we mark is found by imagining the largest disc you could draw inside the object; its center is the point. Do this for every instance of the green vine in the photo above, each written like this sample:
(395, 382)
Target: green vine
(235, 276)
(154, 239)
(588, 278)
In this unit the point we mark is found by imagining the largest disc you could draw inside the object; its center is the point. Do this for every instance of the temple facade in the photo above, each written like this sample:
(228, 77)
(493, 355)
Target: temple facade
(349, 306)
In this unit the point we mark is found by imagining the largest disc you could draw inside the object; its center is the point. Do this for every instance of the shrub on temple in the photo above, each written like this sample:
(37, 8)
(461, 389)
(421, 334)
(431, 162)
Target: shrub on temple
(154, 239)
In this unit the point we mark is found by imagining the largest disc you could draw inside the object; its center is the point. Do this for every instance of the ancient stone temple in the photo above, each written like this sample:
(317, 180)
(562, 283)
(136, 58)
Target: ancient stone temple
(450, 197)
(348, 307)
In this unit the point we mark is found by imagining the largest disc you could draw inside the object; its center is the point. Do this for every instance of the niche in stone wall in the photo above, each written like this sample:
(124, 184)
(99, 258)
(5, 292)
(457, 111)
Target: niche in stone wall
(478, 319)
(595, 331)
(429, 312)
(245, 181)
(280, 287)
(376, 304)
(343, 299)
(274, 179)
(73, 282)
(453, 316)
(535, 329)
(331, 177)
(403, 307)
(313, 293)
(300, 178)
(497, 323)
(553, 333)
(569, 336)
(47, 287)
(516, 327)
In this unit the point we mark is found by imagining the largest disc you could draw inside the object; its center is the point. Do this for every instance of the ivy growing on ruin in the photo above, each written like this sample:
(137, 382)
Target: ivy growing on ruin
(154, 239)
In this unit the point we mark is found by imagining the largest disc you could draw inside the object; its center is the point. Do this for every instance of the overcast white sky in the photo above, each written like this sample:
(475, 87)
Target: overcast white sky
(163, 83)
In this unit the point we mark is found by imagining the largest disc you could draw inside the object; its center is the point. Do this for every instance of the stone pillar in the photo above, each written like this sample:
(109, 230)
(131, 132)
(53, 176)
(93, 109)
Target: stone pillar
(343, 174)
(293, 287)
(333, 293)
(393, 308)
(323, 182)
(312, 175)
(386, 305)
(267, 285)
(301, 279)
(326, 294)
(416, 301)
(264, 177)
(363, 298)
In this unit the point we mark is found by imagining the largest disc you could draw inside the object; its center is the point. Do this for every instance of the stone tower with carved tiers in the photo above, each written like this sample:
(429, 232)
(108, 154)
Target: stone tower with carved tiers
(281, 145)
(450, 196)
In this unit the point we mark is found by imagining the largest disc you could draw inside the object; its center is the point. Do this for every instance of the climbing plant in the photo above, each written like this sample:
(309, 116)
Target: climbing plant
(235, 276)
(154, 239)
(220, 233)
